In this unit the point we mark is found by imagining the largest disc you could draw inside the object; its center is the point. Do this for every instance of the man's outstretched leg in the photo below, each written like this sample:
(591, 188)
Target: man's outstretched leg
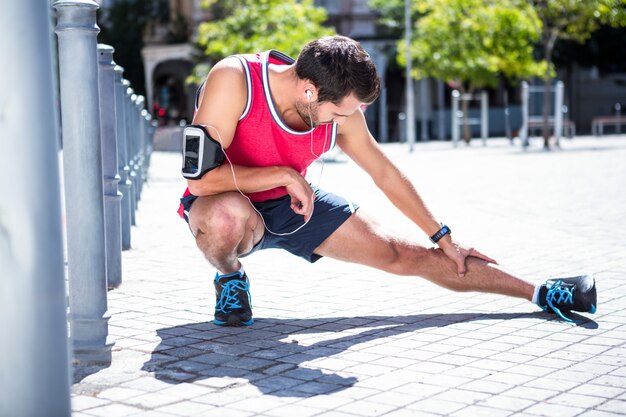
(225, 227)
(360, 240)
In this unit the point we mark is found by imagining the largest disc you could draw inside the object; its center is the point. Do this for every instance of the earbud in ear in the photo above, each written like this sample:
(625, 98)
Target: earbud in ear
(309, 94)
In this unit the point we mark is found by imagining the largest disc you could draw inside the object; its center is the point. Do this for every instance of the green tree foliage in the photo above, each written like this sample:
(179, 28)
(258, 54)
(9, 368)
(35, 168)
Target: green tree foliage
(469, 43)
(572, 20)
(249, 26)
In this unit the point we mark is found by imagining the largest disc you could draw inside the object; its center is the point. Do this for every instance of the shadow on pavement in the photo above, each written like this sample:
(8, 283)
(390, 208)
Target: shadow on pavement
(270, 356)
(80, 372)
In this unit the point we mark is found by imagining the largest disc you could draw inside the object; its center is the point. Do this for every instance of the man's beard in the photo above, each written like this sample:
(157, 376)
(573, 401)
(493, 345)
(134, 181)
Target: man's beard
(308, 113)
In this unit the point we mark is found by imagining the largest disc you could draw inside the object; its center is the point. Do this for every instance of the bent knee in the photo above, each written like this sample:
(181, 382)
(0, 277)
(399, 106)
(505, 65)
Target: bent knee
(224, 215)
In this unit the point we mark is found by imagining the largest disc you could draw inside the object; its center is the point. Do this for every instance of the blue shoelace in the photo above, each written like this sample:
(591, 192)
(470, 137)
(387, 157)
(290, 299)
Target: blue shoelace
(229, 298)
(560, 294)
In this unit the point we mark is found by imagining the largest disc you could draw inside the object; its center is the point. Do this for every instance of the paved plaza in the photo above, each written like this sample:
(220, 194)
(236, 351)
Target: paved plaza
(342, 340)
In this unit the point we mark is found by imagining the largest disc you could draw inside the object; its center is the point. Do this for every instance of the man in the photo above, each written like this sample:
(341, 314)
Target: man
(273, 117)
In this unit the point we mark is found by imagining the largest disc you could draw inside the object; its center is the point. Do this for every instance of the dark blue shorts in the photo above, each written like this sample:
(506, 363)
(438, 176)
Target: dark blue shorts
(329, 212)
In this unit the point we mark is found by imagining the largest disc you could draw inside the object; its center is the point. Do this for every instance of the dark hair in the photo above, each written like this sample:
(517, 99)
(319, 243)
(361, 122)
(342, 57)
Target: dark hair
(338, 66)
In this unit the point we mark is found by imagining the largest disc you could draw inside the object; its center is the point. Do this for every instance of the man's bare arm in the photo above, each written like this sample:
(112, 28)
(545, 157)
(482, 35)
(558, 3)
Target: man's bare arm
(356, 141)
(222, 102)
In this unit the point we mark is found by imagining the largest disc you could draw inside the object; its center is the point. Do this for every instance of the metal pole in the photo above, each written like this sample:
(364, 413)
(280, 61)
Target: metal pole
(484, 116)
(454, 117)
(558, 112)
(507, 120)
(523, 133)
(441, 126)
(78, 68)
(150, 128)
(34, 369)
(381, 65)
(618, 113)
(410, 99)
(146, 143)
(108, 137)
(122, 161)
(383, 136)
(424, 96)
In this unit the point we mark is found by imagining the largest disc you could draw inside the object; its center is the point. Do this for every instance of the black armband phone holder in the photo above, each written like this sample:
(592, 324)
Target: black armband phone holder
(201, 153)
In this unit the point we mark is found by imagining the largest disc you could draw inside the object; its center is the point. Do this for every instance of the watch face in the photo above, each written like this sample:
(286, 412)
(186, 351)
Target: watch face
(191, 157)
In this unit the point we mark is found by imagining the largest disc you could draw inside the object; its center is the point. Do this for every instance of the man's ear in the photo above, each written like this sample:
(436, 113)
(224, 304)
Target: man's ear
(310, 91)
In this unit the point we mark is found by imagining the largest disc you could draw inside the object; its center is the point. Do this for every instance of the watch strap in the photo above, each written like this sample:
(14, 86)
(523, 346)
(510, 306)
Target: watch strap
(445, 230)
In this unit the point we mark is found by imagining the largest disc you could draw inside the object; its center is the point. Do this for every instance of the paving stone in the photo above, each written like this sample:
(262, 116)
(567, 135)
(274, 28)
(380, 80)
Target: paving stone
(506, 403)
(614, 406)
(219, 412)
(291, 410)
(478, 411)
(115, 410)
(577, 400)
(325, 402)
(598, 390)
(85, 402)
(366, 408)
(117, 394)
(489, 387)
(597, 413)
(462, 396)
(535, 394)
(436, 406)
(152, 400)
(546, 409)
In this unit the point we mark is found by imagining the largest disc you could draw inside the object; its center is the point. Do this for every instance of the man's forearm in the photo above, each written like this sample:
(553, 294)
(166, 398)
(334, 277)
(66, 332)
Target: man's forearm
(248, 179)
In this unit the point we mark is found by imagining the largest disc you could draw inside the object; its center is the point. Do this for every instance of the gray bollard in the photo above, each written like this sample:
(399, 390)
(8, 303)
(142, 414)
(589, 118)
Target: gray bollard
(558, 112)
(456, 96)
(144, 145)
(34, 364)
(108, 139)
(523, 132)
(136, 145)
(484, 116)
(130, 146)
(139, 140)
(122, 159)
(78, 68)
(151, 126)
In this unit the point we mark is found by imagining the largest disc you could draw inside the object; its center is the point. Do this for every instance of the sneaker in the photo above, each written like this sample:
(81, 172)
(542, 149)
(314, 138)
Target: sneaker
(232, 300)
(560, 295)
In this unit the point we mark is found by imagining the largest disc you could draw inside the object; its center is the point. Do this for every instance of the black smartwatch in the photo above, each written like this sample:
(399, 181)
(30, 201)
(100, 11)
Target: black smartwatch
(445, 230)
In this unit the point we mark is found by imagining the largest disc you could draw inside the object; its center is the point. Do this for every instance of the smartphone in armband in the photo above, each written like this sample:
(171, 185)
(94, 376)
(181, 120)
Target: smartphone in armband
(201, 153)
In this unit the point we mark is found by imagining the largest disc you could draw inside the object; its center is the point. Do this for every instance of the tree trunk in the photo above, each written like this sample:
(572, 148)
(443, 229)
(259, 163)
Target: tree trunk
(507, 121)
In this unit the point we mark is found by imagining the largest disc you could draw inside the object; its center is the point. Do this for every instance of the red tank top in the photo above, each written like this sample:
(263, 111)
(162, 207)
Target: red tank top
(262, 139)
